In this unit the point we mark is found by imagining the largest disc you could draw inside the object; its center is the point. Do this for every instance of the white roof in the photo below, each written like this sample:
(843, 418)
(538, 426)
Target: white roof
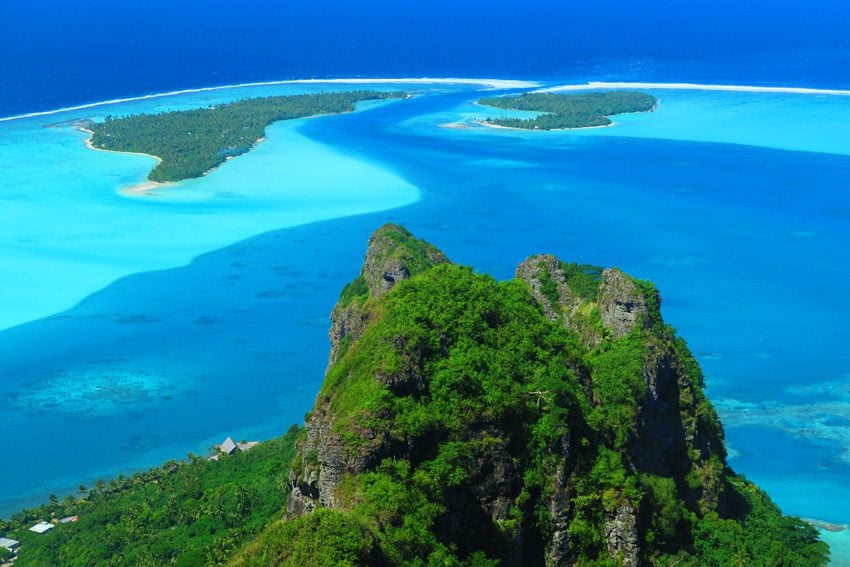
(9, 544)
(41, 527)
(228, 446)
(247, 445)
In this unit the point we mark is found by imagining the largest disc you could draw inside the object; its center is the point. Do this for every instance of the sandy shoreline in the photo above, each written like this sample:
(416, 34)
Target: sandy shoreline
(828, 526)
(91, 146)
(499, 126)
(147, 186)
(134, 190)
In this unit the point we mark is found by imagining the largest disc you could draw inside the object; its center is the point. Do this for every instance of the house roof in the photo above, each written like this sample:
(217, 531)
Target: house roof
(228, 446)
(247, 445)
(42, 527)
(9, 544)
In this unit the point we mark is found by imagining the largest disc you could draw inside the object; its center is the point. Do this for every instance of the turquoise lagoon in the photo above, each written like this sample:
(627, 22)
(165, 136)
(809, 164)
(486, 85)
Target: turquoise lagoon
(67, 230)
(137, 329)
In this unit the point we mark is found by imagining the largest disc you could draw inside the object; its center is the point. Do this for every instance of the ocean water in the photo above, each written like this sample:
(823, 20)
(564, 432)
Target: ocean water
(64, 216)
(57, 53)
(137, 329)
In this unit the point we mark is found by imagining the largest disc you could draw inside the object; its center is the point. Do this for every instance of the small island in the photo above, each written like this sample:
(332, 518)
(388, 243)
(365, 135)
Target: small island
(568, 111)
(190, 143)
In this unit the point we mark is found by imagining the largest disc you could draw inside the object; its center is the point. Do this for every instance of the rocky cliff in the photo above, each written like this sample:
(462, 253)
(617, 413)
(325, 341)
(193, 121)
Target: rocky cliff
(551, 419)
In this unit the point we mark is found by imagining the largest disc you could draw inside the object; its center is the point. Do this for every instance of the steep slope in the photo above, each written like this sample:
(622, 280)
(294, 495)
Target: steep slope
(551, 419)
(554, 419)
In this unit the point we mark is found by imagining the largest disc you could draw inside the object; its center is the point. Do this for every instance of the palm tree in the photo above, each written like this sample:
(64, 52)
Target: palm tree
(740, 559)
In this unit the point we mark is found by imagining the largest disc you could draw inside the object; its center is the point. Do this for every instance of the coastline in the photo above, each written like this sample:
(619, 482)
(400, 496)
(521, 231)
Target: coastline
(828, 526)
(91, 146)
(499, 126)
(147, 186)
(137, 189)
(489, 83)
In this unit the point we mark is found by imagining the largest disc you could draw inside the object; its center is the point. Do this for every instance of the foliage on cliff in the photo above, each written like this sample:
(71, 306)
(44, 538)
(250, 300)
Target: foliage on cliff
(468, 422)
(191, 142)
(562, 111)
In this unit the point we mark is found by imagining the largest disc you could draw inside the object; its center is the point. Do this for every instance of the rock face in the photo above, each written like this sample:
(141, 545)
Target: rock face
(621, 535)
(622, 306)
(674, 433)
(560, 506)
(393, 255)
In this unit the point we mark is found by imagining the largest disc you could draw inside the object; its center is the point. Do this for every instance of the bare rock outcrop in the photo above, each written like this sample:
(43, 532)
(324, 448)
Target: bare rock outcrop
(622, 304)
(393, 255)
(621, 535)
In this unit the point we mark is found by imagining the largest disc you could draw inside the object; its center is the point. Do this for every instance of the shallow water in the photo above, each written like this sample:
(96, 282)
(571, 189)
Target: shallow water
(745, 234)
(63, 213)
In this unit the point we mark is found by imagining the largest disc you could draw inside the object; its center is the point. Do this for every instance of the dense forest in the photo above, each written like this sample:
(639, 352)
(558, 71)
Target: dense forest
(564, 111)
(194, 512)
(191, 142)
(551, 419)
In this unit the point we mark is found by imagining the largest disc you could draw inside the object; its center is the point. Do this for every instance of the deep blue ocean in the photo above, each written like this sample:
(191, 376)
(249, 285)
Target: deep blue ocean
(57, 53)
(133, 331)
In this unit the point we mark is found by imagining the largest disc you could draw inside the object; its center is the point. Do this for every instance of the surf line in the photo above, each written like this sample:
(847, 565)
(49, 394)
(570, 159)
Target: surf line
(693, 87)
(491, 83)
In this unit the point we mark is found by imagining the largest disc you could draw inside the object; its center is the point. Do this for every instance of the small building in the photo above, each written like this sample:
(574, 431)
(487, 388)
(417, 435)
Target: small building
(9, 544)
(42, 527)
(229, 446)
(69, 519)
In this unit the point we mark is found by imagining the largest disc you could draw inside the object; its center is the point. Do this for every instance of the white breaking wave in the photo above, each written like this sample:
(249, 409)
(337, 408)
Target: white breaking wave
(693, 87)
(490, 83)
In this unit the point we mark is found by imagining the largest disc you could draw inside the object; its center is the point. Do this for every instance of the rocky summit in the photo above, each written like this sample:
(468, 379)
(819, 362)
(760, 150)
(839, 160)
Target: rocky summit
(553, 419)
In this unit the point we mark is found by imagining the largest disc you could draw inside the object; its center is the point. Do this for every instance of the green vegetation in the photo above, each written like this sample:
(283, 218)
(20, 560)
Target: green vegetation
(460, 426)
(326, 537)
(191, 142)
(760, 535)
(582, 279)
(352, 291)
(470, 403)
(183, 513)
(562, 111)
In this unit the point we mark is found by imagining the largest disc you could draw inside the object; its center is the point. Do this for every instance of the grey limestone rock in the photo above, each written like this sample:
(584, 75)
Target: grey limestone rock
(563, 305)
(393, 255)
(621, 304)
(621, 535)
